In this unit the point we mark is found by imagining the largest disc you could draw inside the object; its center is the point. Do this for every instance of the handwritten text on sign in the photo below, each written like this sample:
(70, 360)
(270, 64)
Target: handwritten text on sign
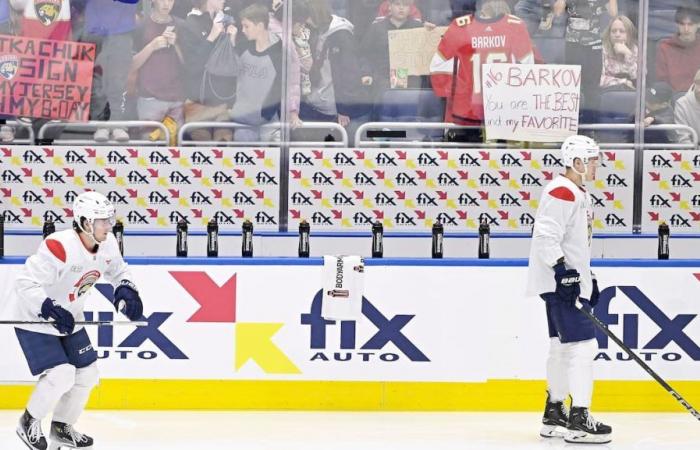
(531, 102)
(43, 78)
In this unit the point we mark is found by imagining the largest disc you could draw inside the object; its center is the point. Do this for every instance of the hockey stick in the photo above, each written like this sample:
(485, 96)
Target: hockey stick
(99, 323)
(604, 328)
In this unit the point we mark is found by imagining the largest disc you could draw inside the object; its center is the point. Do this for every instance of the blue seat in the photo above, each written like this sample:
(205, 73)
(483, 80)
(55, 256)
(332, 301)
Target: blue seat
(411, 105)
(662, 24)
(616, 107)
(553, 50)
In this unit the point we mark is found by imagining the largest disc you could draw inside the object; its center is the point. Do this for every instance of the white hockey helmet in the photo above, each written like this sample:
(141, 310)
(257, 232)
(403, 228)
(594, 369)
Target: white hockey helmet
(577, 146)
(92, 205)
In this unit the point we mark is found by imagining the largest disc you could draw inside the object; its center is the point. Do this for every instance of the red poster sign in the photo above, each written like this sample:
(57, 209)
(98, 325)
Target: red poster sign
(44, 78)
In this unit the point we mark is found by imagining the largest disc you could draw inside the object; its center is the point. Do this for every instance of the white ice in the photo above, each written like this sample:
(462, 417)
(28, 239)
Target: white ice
(195, 430)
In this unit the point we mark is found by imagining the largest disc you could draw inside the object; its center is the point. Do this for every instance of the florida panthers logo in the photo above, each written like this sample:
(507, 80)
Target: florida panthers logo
(8, 66)
(47, 11)
(84, 284)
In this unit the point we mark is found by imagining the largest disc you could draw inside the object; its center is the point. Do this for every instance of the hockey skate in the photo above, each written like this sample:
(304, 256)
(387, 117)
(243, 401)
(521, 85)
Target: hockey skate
(29, 430)
(584, 429)
(554, 420)
(63, 436)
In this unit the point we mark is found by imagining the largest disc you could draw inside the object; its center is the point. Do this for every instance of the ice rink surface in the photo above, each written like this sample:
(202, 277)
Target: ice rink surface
(156, 430)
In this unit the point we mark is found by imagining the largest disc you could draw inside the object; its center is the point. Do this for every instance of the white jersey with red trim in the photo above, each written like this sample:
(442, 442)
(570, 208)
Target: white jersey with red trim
(563, 228)
(64, 270)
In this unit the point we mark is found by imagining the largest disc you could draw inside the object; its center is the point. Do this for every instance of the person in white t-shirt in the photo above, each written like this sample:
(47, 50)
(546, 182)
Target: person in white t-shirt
(52, 286)
(560, 273)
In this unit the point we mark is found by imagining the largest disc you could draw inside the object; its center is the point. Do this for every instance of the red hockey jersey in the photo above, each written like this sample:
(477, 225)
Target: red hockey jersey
(47, 19)
(475, 41)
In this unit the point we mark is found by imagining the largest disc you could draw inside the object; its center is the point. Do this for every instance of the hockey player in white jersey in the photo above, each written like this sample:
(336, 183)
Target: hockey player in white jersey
(560, 273)
(52, 286)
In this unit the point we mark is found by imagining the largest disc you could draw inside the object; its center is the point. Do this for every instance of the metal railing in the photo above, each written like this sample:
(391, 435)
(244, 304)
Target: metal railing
(183, 141)
(94, 125)
(25, 125)
(360, 141)
(651, 146)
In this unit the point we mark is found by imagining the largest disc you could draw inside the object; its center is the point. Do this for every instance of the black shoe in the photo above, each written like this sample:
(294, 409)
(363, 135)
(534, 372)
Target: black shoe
(64, 436)
(555, 419)
(29, 430)
(583, 428)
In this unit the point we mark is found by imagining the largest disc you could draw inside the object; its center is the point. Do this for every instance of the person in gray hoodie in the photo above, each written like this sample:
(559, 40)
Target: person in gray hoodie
(687, 111)
(337, 93)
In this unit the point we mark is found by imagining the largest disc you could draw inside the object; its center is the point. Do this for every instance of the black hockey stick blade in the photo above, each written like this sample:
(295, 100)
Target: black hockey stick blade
(604, 328)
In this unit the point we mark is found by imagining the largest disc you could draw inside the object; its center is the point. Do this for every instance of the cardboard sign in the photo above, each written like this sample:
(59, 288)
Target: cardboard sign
(531, 102)
(45, 78)
(410, 52)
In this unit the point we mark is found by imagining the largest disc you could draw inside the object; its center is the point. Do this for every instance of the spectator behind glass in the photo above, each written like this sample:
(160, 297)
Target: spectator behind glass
(413, 13)
(619, 55)
(362, 13)
(374, 50)
(337, 93)
(540, 18)
(259, 87)
(301, 35)
(204, 25)
(585, 22)
(159, 64)
(109, 25)
(44, 20)
(659, 112)
(301, 13)
(687, 111)
(678, 56)
(464, 97)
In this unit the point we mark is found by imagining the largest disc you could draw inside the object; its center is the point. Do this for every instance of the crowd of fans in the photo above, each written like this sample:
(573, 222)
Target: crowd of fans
(181, 61)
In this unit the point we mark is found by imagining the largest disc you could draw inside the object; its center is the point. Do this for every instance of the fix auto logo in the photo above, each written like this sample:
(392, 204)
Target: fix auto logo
(666, 328)
(130, 346)
(376, 347)
(253, 340)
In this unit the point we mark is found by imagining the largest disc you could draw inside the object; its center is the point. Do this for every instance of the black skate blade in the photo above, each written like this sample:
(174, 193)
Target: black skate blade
(24, 439)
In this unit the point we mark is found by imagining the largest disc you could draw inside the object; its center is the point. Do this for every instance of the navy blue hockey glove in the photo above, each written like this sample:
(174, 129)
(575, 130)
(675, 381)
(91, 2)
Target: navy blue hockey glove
(595, 293)
(568, 283)
(63, 320)
(127, 300)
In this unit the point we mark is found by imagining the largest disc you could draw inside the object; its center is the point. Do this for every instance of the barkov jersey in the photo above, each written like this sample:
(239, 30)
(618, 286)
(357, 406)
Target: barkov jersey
(64, 270)
(563, 228)
(475, 41)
